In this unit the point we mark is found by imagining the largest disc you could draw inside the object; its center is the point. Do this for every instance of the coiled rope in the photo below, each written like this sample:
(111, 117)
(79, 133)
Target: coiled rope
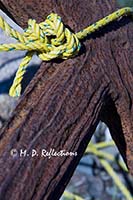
(49, 39)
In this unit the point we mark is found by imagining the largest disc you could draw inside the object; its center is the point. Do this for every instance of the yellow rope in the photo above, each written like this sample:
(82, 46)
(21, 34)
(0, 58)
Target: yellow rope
(49, 39)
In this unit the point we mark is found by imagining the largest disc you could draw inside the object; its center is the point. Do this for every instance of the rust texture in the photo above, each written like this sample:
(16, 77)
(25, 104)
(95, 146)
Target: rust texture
(64, 102)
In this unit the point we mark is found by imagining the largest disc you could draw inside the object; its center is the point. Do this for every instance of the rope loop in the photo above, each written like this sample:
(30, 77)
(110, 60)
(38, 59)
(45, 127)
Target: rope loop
(50, 39)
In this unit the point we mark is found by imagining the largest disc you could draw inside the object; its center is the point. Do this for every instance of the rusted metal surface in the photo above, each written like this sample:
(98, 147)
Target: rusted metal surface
(64, 102)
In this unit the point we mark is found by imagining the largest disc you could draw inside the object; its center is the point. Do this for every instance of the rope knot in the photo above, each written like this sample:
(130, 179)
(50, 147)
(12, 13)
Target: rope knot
(51, 39)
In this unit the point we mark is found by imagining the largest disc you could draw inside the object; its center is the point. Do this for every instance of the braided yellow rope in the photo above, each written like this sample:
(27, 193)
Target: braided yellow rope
(49, 39)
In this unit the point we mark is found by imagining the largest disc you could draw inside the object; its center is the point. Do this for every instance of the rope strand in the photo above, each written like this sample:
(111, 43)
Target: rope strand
(50, 39)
